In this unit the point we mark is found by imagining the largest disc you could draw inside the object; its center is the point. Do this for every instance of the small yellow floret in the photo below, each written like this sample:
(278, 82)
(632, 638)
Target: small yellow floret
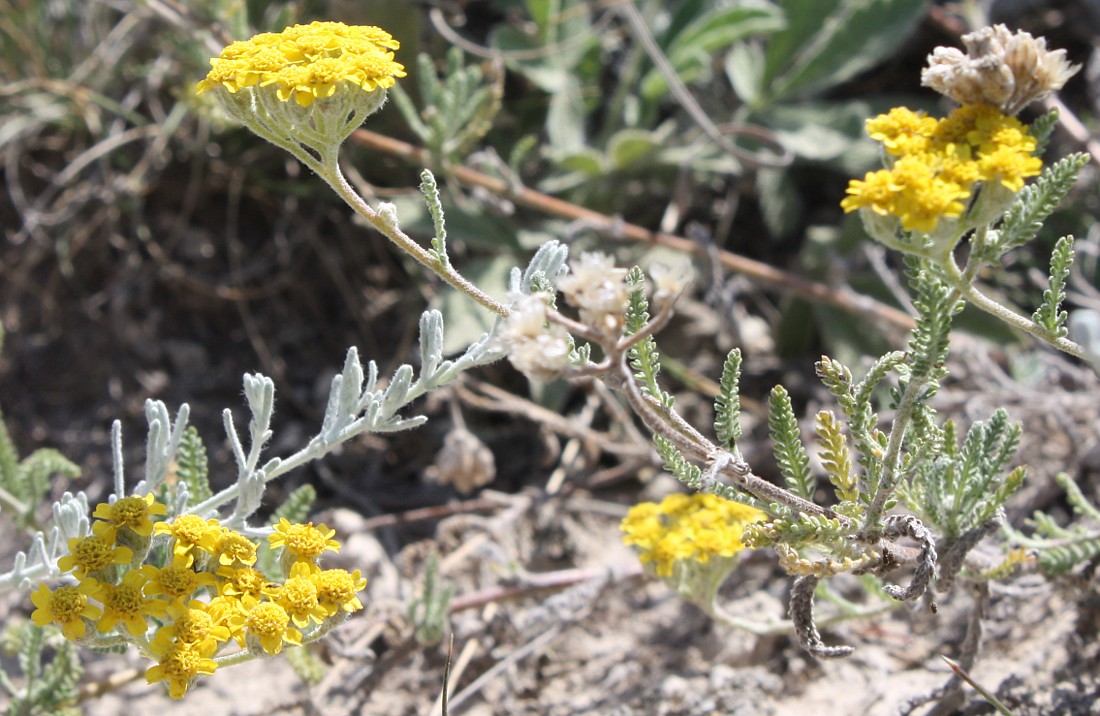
(305, 542)
(192, 531)
(126, 603)
(133, 512)
(233, 548)
(244, 584)
(269, 623)
(298, 596)
(67, 606)
(179, 666)
(902, 131)
(1009, 167)
(337, 589)
(177, 580)
(93, 553)
(192, 624)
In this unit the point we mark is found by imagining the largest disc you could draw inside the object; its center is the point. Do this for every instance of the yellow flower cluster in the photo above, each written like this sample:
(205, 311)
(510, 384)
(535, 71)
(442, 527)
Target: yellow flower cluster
(308, 62)
(936, 164)
(206, 594)
(685, 528)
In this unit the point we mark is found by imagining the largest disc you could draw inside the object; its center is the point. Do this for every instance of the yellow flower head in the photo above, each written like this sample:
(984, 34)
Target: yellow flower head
(133, 512)
(244, 584)
(92, 553)
(66, 606)
(269, 625)
(231, 613)
(192, 624)
(938, 165)
(695, 527)
(308, 62)
(179, 666)
(298, 596)
(192, 531)
(304, 542)
(126, 603)
(175, 581)
(902, 131)
(234, 549)
(338, 589)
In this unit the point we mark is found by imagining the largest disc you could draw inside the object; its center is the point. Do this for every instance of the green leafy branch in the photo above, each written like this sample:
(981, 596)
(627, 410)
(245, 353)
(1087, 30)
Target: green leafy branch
(51, 672)
(457, 109)
(1060, 549)
(1050, 315)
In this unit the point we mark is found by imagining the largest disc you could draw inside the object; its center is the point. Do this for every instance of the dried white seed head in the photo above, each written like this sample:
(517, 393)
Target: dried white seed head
(536, 349)
(1005, 69)
(463, 461)
(670, 280)
(599, 292)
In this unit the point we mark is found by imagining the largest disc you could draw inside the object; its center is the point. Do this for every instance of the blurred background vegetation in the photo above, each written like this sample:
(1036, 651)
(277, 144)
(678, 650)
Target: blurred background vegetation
(150, 249)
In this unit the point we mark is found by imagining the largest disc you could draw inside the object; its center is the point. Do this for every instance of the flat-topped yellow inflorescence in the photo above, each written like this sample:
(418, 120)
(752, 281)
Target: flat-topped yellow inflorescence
(308, 62)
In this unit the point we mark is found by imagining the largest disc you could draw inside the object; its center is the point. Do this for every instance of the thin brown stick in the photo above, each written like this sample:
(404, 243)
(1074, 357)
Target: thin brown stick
(756, 270)
(540, 582)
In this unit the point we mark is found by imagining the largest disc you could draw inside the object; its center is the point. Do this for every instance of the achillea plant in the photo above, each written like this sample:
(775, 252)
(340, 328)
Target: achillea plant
(179, 577)
(190, 590)
(912, 493)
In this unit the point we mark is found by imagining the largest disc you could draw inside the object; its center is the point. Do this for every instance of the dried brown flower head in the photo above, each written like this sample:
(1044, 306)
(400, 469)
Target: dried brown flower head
(1001, 68)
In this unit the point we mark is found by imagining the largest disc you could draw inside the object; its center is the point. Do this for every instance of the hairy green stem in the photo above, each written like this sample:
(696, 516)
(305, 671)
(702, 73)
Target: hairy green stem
(1024, 323)
(332, 174)
(326, 164)
(963, 282)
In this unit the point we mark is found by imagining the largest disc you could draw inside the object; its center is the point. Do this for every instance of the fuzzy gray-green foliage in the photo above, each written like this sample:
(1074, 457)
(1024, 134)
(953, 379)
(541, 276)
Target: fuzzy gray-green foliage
(1041, 128)
(1050, 314)
(1033, 205)
(297, 506)
(430, 190)
(644, 357)
(964, 485)
(691, 475)
(1062, 548)
(192, 467)
(936, 307)
(50, 665)
(458, 108)
(790, 453)
(727, 404)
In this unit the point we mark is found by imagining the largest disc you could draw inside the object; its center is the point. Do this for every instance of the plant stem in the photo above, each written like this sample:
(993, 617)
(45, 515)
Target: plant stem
(332, 174)
(963, 283)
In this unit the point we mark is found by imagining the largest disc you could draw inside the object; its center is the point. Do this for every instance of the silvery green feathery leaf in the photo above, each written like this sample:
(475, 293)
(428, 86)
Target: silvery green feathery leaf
(790, 454)
(1050, 314)
(192, 467)
(727, 404)
(1042, 128)
(1033, 205)
(547, 264)
(430, 190)
(644, 356)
